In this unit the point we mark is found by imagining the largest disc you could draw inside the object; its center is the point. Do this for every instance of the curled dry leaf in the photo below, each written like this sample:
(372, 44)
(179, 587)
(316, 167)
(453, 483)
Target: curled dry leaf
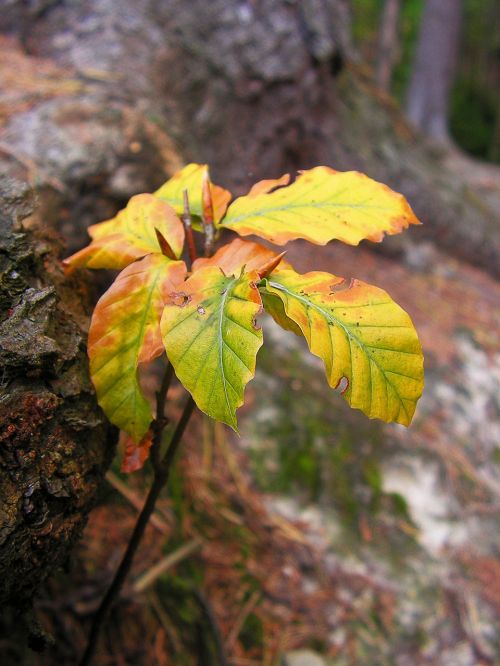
(136, 454)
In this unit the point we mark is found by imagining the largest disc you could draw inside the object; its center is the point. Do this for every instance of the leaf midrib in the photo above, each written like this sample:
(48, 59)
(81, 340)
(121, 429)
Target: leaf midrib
(228, 221)
(220, 313)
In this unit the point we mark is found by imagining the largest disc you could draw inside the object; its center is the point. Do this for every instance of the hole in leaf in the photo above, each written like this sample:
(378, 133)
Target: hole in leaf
(342, 385)
(180, 298)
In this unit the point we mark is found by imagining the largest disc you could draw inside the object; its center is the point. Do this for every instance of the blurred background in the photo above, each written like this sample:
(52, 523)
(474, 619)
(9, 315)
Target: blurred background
(317, 537)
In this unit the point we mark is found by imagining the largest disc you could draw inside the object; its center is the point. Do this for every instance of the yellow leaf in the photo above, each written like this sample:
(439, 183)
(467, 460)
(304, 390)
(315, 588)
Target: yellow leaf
(239, 254)
(130, 235)
(321, 205)
(212, 339)
(124, 332)
(367, 342)
(265, 186)
(191, 179)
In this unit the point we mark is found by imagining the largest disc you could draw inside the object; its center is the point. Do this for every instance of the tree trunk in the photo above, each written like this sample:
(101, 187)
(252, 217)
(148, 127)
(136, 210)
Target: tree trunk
(55, 442)
(388, 43)
(253, 88)
(434, 67)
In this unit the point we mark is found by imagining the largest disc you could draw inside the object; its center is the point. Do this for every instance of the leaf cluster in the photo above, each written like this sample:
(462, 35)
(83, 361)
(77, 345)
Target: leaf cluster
(203, 312)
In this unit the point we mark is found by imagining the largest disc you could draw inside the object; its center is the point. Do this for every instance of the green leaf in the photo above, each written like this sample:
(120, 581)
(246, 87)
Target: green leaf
(367, 342)
(124, 332)
(212, 339)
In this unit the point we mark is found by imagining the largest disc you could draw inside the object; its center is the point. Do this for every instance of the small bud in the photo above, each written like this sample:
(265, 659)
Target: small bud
(208, 204)
(269, 267)
(186, 218)
(164, 245)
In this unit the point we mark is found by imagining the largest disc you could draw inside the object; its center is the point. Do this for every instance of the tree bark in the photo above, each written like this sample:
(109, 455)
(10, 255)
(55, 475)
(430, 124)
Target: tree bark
(55, 442)
(434, 67)
(388, 43)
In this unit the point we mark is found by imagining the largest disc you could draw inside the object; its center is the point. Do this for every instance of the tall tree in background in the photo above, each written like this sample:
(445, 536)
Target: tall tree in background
(434, 67)
(388, 43)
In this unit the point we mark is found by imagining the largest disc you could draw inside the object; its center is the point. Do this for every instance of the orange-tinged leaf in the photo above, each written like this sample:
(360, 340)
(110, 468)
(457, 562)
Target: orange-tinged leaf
(368, 343)
(265, 186)
(321, 205)
(191, 179)
(130, 235)
(212, 339)
(125, 332)
(239, 254)
(135, 455)
(139, 221)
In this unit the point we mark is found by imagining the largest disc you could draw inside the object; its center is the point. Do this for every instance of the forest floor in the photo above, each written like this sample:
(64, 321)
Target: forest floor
(370, 543)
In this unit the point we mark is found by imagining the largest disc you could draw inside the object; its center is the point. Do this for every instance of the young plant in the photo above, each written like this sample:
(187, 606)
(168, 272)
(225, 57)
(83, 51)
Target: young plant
(203, 312)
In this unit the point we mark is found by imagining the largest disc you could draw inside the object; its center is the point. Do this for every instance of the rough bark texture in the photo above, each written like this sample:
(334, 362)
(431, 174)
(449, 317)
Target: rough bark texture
(55, 443)
(254, 89)
(434, 67)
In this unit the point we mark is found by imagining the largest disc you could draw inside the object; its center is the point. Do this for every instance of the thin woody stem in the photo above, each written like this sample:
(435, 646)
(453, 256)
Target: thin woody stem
(161, 465)
(188, 226)
(161, 421)
(208, 216)
(161, 474)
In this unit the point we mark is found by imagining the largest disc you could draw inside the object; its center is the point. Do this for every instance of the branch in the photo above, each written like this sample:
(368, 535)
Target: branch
(188, 226)
(136, 501)
(162, 469)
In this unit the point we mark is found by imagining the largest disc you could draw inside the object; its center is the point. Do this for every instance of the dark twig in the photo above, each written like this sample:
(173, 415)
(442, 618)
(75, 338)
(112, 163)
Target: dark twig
(161, 421)
(162, 471)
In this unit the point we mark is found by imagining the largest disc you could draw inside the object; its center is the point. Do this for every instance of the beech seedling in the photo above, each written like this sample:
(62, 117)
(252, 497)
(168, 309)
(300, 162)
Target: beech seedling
(203, 311)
